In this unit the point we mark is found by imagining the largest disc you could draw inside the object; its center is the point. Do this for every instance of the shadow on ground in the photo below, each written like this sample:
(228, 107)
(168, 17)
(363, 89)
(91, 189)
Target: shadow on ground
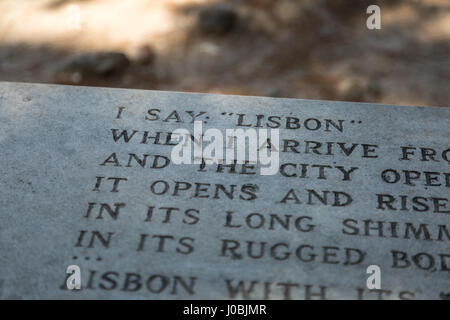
(303, 49)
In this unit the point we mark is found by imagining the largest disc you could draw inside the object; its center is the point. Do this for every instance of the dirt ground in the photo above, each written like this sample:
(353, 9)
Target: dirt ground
(315, 49)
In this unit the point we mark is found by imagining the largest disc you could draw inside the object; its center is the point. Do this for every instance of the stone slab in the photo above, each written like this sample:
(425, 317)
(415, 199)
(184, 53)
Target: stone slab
(308, 231)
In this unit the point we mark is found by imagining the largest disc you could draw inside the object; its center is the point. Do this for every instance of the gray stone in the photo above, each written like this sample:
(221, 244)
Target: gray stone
(145, 55)
(99, 64)
(308, 231)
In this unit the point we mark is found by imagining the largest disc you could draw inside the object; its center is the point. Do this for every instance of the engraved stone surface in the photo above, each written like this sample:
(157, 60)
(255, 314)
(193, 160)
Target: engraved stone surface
(87, 179)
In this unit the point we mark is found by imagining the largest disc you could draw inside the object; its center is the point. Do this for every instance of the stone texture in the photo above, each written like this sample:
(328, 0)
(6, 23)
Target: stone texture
(54, 140)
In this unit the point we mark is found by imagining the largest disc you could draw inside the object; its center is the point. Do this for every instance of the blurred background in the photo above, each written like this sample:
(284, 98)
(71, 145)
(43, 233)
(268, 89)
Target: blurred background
(314, 49)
